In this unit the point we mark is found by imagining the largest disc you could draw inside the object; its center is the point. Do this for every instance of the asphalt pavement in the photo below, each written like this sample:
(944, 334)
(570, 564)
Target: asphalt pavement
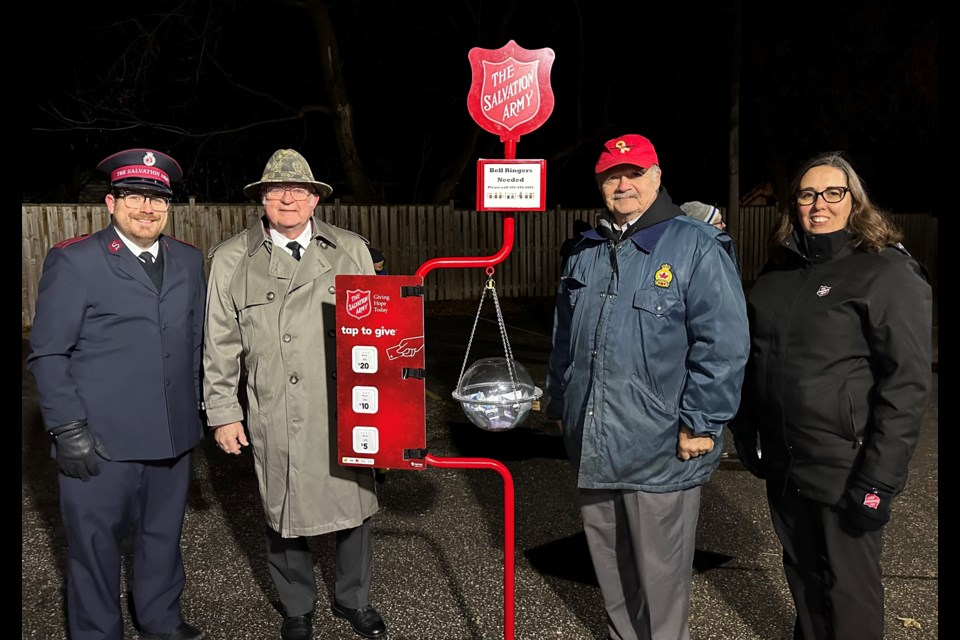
(439, 537)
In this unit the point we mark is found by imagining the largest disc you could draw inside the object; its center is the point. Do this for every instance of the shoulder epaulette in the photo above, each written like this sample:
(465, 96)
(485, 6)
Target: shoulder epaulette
(330, 232)
(365, 241)
(212, 250)
(69, 241)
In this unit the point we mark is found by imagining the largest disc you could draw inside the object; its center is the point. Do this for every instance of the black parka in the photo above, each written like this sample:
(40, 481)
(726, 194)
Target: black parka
(840, 365)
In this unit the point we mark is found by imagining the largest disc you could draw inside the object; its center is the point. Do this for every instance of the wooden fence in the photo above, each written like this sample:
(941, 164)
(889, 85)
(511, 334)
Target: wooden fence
(409, 235)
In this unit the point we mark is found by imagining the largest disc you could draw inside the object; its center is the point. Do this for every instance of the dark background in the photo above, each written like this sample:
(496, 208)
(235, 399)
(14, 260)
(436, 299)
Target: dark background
(220, 85)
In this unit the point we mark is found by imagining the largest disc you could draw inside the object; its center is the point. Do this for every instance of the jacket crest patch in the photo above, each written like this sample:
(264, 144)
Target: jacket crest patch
(823, 290)
(871, 500)
(664, 275)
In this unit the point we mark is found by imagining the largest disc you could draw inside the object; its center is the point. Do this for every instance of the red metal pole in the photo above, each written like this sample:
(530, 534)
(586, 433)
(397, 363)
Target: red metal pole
(478, 261)
(485, 463)
(508, 533)
(510, 153)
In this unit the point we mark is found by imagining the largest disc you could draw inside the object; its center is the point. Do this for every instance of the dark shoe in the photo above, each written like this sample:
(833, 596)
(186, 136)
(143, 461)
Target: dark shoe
(183, 632)
(365, 620)
(297, 627)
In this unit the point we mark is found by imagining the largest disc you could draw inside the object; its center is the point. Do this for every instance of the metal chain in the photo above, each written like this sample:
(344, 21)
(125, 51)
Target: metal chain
(491, 285)
(503, 336)
(466, 356)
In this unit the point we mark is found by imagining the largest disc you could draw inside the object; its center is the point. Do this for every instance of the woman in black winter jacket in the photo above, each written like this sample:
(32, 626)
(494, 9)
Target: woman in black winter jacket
(835, 390)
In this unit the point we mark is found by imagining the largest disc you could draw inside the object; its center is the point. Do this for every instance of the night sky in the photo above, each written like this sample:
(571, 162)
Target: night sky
(221, 85)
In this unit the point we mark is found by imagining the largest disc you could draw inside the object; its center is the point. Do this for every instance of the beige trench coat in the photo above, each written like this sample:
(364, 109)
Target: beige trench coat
(272, 321)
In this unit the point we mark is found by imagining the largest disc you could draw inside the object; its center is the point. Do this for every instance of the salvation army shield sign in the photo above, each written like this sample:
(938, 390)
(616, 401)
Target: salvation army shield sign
(511, 93)
(358, 303)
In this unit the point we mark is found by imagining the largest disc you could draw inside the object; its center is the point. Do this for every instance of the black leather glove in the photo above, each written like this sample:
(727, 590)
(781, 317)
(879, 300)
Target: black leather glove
(749, 458)
(867, 503)
(77, 450)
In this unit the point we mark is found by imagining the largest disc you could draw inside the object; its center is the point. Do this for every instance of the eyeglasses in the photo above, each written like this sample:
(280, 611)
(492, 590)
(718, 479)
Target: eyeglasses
(136, 200)
(297, 193)
(615, 178)
(831, 195)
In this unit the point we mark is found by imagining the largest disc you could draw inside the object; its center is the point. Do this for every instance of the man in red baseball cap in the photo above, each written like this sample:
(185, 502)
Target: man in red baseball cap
(115, 350)
(649, 349)
(628, 174)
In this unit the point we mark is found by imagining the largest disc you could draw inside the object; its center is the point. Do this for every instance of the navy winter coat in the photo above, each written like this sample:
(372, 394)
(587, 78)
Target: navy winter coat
(637, 350)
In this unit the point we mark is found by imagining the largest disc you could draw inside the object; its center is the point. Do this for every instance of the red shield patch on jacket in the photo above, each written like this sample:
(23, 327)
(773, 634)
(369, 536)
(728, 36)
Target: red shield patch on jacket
(871, 500)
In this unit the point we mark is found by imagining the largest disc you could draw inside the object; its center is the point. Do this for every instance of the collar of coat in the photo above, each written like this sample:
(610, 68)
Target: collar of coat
(646, 231)
(819, 247)
(321, 231)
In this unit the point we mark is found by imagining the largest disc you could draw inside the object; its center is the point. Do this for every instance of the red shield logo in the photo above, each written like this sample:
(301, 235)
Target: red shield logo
(511, 94)
(871, 500)
(358, 303)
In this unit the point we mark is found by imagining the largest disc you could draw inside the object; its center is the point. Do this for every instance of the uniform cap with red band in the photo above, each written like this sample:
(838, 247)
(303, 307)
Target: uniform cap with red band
(142, 170)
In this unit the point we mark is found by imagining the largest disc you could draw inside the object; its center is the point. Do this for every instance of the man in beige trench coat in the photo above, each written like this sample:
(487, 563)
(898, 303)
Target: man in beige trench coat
(271, 320)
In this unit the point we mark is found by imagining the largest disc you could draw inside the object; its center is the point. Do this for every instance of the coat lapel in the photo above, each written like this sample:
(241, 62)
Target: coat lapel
(172, 274)
(311, 266)
(123, 260)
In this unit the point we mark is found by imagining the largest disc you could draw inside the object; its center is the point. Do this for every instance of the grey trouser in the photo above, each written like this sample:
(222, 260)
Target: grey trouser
(642, 546)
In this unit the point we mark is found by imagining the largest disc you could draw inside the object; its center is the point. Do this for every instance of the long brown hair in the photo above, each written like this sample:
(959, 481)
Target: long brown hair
(870, 228)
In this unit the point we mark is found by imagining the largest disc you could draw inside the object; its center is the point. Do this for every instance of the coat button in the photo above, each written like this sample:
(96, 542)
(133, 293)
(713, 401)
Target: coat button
(331, 334)
(659, 308)
(294, 379)
(332, 290)
(286, 337)
(333, 375)
(271, 296)
(323, 245)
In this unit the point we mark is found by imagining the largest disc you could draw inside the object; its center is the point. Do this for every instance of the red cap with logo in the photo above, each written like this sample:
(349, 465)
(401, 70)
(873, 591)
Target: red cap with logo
(629, 149)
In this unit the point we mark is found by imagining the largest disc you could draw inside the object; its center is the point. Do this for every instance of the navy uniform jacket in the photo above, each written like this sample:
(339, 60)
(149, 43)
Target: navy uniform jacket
(106, 347)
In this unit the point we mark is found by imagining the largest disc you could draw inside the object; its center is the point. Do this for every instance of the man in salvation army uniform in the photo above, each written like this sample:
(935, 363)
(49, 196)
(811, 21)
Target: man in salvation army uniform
(115, 350)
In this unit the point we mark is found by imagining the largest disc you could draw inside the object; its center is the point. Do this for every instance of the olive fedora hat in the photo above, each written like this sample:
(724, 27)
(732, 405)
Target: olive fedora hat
(287, 166)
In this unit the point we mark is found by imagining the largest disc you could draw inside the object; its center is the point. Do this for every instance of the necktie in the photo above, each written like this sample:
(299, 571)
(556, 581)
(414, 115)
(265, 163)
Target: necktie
(154, 270)
(295, 249)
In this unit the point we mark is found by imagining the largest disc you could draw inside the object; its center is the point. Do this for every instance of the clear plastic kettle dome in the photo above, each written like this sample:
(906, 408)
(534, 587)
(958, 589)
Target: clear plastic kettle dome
(492, 398)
